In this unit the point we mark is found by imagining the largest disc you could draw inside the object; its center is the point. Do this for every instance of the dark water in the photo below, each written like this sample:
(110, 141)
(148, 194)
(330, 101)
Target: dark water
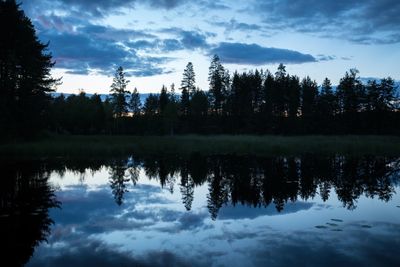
(201, 211)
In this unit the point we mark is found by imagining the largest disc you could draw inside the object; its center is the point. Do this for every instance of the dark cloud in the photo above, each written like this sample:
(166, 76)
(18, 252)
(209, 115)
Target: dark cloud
(190, 39)
(234, 25)
(86, 252)
(207, 5)
(96, 8)
(353, 246)
(254, 54)
(362, 22)
(110, 33)
(169, 45)
(80, 47)
(193, 39)
(325, 58)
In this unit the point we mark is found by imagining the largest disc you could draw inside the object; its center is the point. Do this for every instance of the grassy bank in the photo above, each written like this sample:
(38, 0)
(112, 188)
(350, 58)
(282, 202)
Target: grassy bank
(85, 146)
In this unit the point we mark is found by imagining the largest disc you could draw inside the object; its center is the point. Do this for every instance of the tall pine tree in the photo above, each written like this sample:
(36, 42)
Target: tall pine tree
(135, 104)
(25, 80)
(119, 93)
(188, 87)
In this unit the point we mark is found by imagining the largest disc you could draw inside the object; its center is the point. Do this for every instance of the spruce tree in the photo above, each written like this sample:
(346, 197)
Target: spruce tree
(164, 98)
(217, 80)
(188, 88)
(119, 93)
(135, 103)
(25, 80)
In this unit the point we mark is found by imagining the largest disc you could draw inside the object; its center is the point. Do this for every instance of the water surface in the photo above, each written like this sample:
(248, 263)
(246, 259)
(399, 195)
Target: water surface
(308, 210)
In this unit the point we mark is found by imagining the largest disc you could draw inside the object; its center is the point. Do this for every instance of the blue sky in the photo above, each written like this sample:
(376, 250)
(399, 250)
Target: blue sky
(154, 39)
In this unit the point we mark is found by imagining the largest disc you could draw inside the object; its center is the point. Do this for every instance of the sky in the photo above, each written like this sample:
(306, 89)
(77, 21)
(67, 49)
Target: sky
(153, 40)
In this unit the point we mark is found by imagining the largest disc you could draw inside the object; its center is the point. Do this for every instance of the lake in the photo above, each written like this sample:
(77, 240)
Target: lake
(308, 210)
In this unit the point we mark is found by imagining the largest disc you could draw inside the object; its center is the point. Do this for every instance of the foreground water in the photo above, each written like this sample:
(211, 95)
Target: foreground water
(201, 211)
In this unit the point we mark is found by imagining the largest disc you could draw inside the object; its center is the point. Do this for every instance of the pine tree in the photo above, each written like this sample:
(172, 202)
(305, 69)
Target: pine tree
(217, 79)
(135, 104)
(188, 88)
(268, 87)
(25, 80)
(293, 95)
(309, 97)
(119, 93)
(279, 92)
(164, 98)
(188, 80)
(327, 102)
(350, 93)
(152, 105)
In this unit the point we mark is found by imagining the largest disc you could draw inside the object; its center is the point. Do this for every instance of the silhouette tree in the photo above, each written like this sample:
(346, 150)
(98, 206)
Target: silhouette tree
(170, 113)
(135, 104)
(199, 104)
(217, 78)
(188, 80)
(350, 93)
(164, 99)
(309, 98)
(26, 198)
(187, 189)
(188, 88)
(119, 93)
(25, 80)
(327, 102)
(279, 92)
(268, 91)
(118, 181)
(151, 105)
(380, 96)
(293, 96)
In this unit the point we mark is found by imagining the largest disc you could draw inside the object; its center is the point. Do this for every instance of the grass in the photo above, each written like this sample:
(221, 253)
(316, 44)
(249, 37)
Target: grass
(101, 146)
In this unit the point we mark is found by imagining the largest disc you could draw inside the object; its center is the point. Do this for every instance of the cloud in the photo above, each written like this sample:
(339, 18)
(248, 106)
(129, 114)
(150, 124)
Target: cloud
(110, 33)
(207, 5)
(87, 252)
(234, 25)
(96, 8)
(190, 39)
(253, 54)
(93, 212)
(157, 45)
(352, 247)
(325, 57)
(82, 47)
(363, 22)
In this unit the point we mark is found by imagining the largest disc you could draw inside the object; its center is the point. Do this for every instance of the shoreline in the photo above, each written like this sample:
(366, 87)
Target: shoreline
(265, 145)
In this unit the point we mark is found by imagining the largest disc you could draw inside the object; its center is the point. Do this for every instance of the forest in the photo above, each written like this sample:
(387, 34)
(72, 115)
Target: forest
(252, 102)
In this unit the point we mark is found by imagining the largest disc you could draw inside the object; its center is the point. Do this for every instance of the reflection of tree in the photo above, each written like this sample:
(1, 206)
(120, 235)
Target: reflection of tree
(187, 189)
(25, 200)
(218, 193)
(118, 181)
(260, 181)
(256, 181)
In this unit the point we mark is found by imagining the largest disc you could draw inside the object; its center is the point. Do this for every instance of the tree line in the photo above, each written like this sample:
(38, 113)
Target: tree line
(253, 102)
(232, 180)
